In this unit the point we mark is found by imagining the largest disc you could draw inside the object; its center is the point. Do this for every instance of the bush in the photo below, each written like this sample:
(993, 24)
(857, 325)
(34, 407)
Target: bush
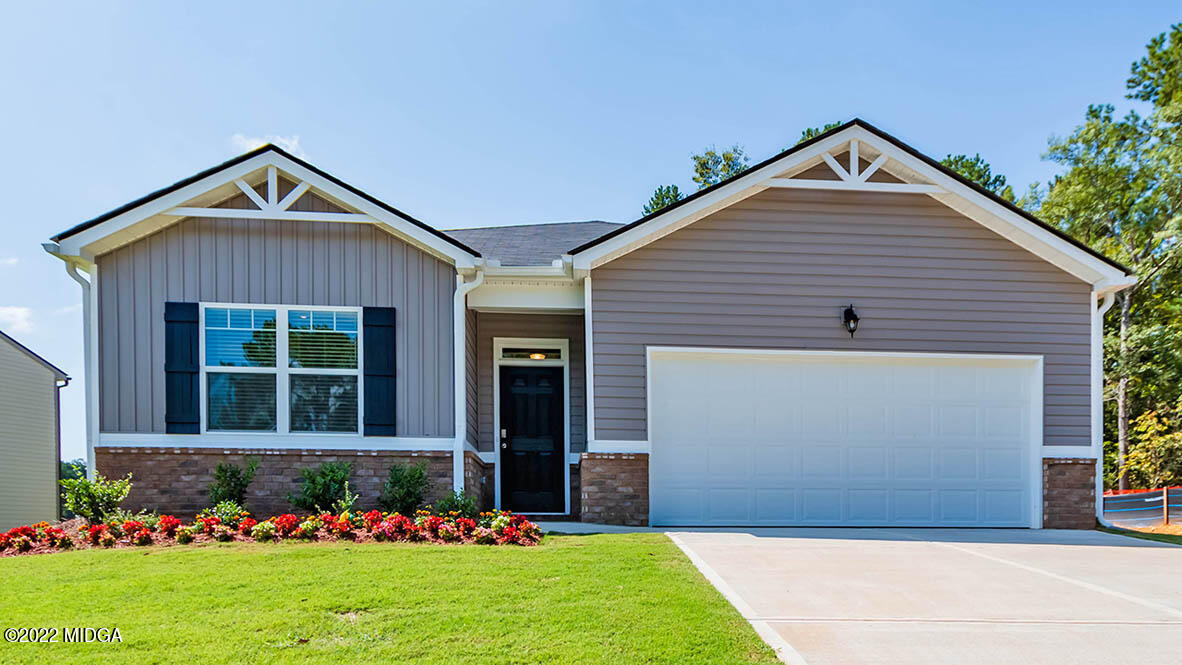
(323, 486)
(69, 471)
(460, 503)
(185, 535)
(405, 488)
(264, 531)
(229, 513)
(95, 499)
(231, 481)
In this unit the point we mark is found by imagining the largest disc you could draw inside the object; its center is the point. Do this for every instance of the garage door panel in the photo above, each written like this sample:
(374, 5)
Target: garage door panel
(840, 440)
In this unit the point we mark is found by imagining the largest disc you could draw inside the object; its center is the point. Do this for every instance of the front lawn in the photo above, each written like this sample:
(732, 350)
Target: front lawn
(631, 598)
(1163, 534)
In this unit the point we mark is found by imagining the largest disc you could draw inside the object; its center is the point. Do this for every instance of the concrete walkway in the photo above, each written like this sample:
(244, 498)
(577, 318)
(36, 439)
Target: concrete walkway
(940, 596)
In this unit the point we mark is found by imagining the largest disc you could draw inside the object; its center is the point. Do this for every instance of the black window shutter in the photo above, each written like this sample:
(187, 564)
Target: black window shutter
(378, 347)
(182, 408)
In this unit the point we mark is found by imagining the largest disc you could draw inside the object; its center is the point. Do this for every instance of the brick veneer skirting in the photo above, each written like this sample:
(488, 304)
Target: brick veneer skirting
(176, 480)
(479, 480)
(1068, 493)
(614, 488)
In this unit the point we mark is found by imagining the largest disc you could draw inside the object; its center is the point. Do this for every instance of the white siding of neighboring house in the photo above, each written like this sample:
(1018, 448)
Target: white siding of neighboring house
(28, 439)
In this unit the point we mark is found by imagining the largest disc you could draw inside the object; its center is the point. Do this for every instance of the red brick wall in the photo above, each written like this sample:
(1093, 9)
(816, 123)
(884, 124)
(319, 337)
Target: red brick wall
(479, 480)
(1068, 493)
(176, 480)
(614, 488)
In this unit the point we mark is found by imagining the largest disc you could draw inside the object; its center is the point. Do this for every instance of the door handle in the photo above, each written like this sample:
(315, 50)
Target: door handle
(504, 444)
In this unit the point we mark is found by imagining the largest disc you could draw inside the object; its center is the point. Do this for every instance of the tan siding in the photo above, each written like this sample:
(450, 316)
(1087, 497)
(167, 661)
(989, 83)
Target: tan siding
(531, 325)
(774, 271)
(28, 440)
(271, 262)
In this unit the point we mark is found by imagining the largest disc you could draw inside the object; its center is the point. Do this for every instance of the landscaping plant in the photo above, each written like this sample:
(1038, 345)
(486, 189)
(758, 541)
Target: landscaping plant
(323, 486)
(94, 500)
(231, 481)
(405, 488)
(459, 503)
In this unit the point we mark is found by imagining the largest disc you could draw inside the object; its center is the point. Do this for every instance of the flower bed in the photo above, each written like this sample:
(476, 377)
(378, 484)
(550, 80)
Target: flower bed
(494, 528)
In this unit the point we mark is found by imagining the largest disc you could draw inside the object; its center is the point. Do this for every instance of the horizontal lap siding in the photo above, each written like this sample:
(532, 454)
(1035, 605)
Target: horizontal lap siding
(28, 439)
(775, 271)
(274, 263)
(555, 326)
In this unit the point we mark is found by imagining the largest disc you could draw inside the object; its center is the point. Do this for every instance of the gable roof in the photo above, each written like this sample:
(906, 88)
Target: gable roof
(751, 177)
(531, 244)
(61, 375)
(242, 159)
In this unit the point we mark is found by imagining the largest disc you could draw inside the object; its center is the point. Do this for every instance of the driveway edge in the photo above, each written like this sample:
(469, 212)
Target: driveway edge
(783, 650)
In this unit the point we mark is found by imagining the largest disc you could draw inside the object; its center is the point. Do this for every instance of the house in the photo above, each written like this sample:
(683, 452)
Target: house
(844, 334)
(30, 435)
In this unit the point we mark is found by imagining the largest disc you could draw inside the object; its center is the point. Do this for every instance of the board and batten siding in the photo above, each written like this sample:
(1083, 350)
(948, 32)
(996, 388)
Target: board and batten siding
(28, 439)
(553, 326)
(273, 263)
(775, 271)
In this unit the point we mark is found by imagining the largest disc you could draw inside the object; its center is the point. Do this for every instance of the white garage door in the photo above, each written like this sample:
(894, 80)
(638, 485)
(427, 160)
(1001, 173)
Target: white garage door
(755, 438)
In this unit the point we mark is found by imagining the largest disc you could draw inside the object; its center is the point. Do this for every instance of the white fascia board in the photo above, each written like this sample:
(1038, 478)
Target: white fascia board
(80, 243)
(998, 218)
(743, 187)
(963, 199)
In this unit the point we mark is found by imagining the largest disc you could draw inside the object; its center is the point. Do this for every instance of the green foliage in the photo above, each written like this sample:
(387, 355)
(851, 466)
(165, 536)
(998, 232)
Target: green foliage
(1156, 460)
(323, 486)
(977, 170)
(346, 503)
(230, 512)
(462, 503)
(231, 481)
(75, 468)
(405, 488)
(664, 195)
(712, 166)
(814, 132)
(95, 499)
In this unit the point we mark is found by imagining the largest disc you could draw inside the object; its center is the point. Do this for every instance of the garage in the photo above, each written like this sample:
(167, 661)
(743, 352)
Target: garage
(782, 438)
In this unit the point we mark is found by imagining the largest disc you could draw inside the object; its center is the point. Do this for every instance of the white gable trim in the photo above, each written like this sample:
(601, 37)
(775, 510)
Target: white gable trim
(167, 209)
(918, 176)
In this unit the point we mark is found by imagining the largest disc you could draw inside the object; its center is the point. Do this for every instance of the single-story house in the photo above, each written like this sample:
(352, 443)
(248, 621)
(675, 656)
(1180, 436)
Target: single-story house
(844, 334)
(30, 435)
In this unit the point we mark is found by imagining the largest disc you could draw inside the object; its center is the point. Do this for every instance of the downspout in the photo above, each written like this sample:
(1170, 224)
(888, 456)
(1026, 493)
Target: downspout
(89, 353)
(1098, 398)
(58, 384)
(460, 380)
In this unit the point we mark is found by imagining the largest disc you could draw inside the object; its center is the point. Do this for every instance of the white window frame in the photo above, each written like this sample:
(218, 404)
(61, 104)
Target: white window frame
(282, 371)
(499, 361)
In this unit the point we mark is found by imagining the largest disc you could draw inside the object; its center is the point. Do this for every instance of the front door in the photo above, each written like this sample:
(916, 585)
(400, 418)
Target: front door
(531, 439)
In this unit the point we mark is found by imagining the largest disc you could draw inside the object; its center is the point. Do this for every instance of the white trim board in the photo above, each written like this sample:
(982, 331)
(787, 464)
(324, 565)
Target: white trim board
(499, 344)
(274, 442)
(1037, 397)
(918, 177)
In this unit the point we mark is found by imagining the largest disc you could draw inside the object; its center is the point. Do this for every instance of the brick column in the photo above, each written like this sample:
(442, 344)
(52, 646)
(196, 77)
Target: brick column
(1068, 493)
(614, 488)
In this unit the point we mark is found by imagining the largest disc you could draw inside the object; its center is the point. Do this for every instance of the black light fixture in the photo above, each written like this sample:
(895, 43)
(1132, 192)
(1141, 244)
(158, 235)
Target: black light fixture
(849, 319)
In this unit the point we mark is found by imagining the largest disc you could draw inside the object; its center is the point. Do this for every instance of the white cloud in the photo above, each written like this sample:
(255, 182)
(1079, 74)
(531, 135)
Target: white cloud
(8, 260)
(16, 320)
(244, 143)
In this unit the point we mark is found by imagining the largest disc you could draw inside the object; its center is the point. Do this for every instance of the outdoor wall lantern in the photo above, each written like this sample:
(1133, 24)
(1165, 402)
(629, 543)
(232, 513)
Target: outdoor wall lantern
(849, 319)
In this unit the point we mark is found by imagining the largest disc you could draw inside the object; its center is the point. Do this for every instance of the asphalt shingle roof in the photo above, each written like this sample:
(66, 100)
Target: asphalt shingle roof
(530, 244)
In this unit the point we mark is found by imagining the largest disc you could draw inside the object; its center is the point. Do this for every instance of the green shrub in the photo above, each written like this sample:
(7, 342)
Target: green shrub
(95, 499)
(231, 481)
(459, 502)
(405, 488)
(346, 503)
(323, 486)
(228, 512)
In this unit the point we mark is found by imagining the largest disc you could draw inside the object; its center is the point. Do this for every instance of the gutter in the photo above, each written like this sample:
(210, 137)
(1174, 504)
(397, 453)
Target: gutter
(89, 345)
(1098, 396)
(460, 378)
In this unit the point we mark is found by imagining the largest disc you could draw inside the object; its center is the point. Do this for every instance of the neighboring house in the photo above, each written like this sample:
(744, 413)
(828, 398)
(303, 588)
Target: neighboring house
(264, 307)
(30, 435)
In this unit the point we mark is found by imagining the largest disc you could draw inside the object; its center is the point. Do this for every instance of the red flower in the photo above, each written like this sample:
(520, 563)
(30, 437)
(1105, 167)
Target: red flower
(131, 527)
(168, 525)
(95, 533)
(286, 524)
(208, 523)
(372, 519)
(246, 525)
(465, 526)
(143, 537)
(26, 531)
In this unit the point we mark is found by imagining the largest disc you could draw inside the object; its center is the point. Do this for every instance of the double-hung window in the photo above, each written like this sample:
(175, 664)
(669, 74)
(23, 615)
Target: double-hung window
(281, 369)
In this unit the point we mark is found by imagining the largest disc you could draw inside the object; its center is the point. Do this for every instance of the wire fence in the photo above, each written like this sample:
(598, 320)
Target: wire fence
(1141, 508)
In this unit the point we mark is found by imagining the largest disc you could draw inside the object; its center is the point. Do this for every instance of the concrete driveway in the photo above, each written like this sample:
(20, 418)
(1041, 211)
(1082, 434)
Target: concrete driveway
(919, 596)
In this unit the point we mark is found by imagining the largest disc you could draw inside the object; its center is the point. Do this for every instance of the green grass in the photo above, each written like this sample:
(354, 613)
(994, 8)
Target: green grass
(1173, 539)
(631, 598)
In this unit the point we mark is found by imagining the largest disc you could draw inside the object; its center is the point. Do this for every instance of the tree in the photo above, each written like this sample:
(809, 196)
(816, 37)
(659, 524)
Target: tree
(712, 167)
(663, 195)
(814, 132)
(977, 170)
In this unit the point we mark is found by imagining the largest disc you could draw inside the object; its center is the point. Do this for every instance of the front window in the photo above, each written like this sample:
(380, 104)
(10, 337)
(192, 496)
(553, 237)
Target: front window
(302, 376)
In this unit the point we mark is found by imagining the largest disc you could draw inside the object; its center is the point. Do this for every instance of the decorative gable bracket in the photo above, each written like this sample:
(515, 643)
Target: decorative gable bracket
(272, 207)
(852, 178)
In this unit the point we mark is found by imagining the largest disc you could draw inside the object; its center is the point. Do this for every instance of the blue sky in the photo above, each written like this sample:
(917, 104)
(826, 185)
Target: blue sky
(503, 112)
